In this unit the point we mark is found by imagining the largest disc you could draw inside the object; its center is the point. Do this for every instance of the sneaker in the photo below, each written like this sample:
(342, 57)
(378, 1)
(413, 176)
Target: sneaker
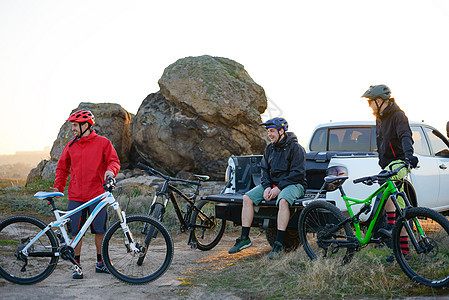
(77, 272)
(240, 244)
(391, 258)
(387, 230)
(101, 268)
(276, 251)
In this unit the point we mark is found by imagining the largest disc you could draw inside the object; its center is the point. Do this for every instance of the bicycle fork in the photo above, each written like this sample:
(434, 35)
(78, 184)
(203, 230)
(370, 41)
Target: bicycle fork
(130, 244)
(424, 245)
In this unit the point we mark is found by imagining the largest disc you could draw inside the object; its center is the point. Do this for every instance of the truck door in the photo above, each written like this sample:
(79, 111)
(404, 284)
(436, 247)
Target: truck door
(440, 153)
(425, 178)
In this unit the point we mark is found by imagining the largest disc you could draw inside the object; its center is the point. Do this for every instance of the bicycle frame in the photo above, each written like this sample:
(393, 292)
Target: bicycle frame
(169, 191)
(388, 189)
(62, 217)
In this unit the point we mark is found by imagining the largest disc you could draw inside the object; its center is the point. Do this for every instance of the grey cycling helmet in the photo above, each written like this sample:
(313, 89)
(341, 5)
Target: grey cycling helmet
(378, 91)
(277, 123)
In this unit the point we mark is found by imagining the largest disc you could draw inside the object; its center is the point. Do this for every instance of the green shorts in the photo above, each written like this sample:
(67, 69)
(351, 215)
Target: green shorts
(289, 193)
(402, 173)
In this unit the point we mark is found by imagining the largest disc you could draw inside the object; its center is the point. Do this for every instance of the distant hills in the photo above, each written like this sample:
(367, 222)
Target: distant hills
(26, 157)
(14, 168)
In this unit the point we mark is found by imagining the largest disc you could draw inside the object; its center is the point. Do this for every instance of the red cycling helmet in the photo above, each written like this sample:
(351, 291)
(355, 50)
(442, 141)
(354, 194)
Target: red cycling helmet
(82, 116)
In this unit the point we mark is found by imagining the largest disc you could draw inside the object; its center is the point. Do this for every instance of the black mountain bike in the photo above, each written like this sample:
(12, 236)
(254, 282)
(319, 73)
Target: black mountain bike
(205, 230)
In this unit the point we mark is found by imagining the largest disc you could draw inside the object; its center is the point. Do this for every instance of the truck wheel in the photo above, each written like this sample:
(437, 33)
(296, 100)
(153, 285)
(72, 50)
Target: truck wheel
(291, 238)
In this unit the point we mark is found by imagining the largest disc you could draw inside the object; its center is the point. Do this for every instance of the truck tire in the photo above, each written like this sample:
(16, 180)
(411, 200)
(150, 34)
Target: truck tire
(291, 238)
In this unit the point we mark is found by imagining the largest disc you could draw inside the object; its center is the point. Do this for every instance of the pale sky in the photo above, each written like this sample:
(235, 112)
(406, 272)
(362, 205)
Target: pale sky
(313, 58)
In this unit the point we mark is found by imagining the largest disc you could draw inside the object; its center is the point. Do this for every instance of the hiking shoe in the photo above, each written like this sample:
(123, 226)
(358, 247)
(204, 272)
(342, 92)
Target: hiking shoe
(390, 258)
(276, 252)
(77, 272)
(240, 244)
(387, 230)
(101, 268)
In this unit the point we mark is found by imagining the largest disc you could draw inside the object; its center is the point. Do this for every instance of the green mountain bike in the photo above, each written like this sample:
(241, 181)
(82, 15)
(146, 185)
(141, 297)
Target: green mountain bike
(326, 233)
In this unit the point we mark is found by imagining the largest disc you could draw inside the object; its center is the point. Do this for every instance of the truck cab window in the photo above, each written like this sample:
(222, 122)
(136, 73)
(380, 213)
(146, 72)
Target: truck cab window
(319, 140)
(349, 139)
(420, 144)
(439, 145)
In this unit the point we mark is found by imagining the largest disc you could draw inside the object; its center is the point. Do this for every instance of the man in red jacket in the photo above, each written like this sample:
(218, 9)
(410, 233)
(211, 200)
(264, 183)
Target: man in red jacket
(88, 159)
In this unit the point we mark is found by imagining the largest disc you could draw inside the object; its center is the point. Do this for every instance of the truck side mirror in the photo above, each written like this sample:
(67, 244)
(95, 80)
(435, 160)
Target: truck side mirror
(447, 129)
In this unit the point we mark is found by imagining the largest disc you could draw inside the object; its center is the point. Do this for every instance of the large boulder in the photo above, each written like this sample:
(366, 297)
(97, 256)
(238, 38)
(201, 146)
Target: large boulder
(208, 108)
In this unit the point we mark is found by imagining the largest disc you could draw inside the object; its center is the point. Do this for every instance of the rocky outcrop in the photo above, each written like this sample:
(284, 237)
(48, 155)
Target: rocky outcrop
(208, 108)
(111, 121)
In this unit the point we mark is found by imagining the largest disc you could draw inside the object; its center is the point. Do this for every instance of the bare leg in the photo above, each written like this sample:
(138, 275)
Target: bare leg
(283, 214)
(247, 211)
(98, 241)
(78, 248)
(389, 206)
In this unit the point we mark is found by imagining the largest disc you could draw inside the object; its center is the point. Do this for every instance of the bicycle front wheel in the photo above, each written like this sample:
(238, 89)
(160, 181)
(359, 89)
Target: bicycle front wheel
(208, 229)
(320, 235)
(428, 263)
(122, 262)
(15, 233)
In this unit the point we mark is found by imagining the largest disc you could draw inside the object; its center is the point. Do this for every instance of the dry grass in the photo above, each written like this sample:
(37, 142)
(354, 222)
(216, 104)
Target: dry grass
(296, 276)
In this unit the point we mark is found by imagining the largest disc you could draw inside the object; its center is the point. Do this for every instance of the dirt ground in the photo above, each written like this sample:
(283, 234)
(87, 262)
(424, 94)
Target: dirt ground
(60, 284)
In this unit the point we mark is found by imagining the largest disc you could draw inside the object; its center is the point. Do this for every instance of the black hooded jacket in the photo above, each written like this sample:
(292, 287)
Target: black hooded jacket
(394, 137)
(284, 163)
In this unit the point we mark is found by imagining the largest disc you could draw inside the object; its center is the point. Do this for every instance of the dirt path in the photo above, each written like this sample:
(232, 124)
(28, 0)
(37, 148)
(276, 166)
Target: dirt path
(103, 286)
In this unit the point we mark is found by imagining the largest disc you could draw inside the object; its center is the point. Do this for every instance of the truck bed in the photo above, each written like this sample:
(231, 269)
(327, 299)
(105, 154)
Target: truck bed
(238, 199)
(229, 207)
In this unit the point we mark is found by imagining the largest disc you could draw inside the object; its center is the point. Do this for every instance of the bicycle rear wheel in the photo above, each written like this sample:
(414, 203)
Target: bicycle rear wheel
(429, 264)
(123, 263)
(318, 240)
(208, 229)
(15, 233)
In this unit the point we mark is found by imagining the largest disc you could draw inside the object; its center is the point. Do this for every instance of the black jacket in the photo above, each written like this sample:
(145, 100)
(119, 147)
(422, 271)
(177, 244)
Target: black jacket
(394, 137)
(284, 163)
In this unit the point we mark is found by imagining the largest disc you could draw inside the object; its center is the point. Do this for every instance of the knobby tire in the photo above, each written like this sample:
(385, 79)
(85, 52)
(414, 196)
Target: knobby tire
(207, 232)
(430, 268)
(313, 228)
(122, 263)
(15, 233)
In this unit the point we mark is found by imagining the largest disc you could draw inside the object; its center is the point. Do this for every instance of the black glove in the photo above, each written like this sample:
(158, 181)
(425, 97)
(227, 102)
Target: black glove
(413, 160)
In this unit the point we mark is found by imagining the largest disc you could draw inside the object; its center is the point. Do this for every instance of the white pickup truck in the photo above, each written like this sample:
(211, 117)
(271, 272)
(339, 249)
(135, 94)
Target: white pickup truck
(349, 146)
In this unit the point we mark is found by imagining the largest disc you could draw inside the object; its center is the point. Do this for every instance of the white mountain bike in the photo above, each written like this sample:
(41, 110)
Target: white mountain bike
(30, 249)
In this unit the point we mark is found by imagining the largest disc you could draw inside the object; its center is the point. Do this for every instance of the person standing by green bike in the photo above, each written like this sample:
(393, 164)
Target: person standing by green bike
(394, 145)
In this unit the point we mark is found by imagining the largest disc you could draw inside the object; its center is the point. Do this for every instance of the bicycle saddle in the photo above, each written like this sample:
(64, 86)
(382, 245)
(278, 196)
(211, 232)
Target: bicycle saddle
(329, 179)
(201, 177)
(44, 195)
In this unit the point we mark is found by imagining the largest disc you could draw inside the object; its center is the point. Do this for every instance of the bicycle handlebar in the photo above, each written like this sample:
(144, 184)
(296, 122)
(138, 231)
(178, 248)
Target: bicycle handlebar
(369, 180)
(110, 184)
(166, 177)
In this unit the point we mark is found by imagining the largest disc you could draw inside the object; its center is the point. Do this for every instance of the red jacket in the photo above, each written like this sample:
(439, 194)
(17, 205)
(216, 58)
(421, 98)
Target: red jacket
(86, 160)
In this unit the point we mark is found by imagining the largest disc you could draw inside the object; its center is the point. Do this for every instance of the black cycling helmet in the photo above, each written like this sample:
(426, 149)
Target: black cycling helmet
(378, 91)
(277, 123)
